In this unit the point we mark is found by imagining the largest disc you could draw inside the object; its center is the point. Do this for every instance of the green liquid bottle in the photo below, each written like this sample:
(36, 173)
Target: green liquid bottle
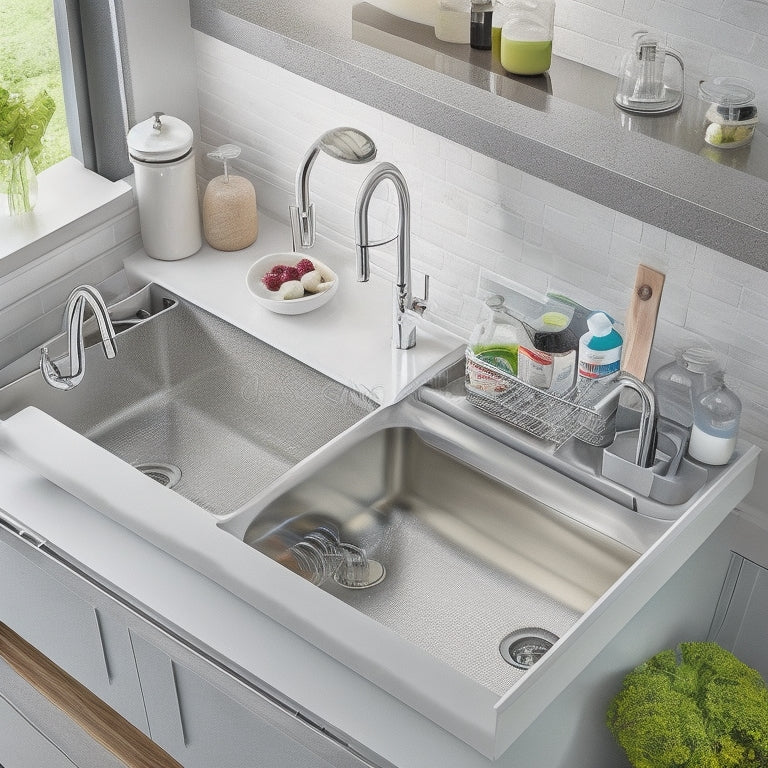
(526, 57)
(526, 37)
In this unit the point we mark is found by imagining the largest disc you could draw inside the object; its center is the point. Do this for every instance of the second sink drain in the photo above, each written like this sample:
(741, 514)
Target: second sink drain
(524, 647)
(165, 474)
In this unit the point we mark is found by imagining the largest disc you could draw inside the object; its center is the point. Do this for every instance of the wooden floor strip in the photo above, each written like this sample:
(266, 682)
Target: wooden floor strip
(126, 742)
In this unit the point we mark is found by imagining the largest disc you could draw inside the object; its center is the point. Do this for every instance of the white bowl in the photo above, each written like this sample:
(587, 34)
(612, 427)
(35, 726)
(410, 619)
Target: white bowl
(271, 299)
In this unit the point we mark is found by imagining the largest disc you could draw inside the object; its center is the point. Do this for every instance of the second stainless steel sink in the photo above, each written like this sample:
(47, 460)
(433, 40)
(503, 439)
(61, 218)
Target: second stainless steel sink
(473, 543)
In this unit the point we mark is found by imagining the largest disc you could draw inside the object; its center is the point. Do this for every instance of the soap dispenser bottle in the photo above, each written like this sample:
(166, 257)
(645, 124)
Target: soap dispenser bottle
(230, 215)
(716, 416)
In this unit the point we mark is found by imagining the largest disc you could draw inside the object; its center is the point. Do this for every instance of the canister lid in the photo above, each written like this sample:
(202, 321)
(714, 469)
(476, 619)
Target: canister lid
(161, 138)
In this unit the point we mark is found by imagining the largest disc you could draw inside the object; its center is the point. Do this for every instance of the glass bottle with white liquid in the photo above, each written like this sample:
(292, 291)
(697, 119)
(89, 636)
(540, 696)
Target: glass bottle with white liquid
(716, 416)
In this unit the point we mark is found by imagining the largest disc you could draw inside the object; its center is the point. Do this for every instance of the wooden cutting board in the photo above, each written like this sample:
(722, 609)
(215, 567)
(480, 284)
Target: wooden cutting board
(640, 325)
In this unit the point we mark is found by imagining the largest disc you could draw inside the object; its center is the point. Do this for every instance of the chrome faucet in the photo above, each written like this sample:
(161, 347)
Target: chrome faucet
(645, 454)
(346, 144)
(404, 324)
(73, 320)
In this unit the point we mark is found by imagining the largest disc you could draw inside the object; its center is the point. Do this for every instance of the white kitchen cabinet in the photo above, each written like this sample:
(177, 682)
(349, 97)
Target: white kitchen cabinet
(741, 617)
(201, 726)
(87, 643)
(195, 709)
(22, 745)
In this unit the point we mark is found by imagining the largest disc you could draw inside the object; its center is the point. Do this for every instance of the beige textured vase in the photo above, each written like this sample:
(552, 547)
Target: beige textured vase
(230, 215)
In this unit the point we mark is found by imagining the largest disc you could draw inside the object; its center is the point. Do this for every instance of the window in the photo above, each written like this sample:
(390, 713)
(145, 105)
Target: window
(29, 63)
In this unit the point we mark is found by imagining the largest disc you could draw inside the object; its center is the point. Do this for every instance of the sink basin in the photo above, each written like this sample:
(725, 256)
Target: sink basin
(469, 555)
(196, 404)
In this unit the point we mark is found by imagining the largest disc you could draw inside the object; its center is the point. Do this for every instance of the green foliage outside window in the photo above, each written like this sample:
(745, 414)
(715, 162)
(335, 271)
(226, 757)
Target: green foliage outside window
(29, 65)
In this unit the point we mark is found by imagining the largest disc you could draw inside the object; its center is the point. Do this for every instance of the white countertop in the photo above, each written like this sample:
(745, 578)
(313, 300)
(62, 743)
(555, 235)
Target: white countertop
(47, 483)
(348, 339)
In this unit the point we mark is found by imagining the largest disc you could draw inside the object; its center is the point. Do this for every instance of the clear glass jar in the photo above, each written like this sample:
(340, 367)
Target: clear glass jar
(526, 37)
(732, 114)
(452, 21)
(680, 382)
(716, 416)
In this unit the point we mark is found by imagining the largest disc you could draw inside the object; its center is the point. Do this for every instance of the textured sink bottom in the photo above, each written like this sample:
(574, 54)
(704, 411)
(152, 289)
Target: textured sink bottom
(468, 559)
(187, 389)
(210, 455)
(454, 605)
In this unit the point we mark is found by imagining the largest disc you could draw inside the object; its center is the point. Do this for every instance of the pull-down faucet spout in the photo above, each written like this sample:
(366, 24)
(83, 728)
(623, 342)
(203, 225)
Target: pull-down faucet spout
(73, 318)
(404, 326)
(346, 144)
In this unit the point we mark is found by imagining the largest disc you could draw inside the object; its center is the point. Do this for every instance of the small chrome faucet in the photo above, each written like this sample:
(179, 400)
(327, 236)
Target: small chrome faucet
(645, 454)
(73, 320)
(404, 324)
(346, 144)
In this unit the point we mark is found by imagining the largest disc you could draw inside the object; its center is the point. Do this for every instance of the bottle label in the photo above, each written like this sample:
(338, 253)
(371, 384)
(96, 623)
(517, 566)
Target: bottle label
(535, 367)
(595, 364)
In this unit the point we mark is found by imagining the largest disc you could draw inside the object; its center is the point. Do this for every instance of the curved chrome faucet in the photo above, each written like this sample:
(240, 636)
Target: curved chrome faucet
(346, 144)
(645, 453)
(404, 327)
(73, 319)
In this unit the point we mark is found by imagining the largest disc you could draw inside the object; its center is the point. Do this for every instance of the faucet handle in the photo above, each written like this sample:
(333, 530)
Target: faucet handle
(420, 305)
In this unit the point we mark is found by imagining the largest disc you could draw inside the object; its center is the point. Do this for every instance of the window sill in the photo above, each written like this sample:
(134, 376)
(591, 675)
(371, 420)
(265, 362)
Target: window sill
(72, 200)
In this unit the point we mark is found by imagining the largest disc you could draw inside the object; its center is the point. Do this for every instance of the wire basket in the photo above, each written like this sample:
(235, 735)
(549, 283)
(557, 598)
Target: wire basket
(547, 416)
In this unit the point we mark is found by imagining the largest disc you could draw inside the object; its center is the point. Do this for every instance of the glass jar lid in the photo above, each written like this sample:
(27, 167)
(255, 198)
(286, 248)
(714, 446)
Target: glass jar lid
(728, 91)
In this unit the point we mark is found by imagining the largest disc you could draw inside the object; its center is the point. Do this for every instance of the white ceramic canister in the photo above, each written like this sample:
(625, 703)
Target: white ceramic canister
(160, 149)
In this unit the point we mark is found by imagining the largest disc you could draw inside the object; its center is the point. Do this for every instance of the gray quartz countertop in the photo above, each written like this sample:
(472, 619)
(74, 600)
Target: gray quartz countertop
(577, 141)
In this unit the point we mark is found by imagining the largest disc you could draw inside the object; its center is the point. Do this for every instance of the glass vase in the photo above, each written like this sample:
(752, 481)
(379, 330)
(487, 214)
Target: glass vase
(19, 183)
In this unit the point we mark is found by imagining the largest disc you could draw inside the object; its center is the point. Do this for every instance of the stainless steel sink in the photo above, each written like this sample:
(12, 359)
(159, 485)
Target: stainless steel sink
(197, 405)
(475, 541)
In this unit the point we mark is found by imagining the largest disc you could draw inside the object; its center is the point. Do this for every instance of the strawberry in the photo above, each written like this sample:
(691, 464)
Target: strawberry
(304, 266)
(272, 281)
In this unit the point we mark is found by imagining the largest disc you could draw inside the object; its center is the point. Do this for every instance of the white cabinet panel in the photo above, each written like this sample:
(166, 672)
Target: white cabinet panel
(23, 746)
(91, 645)
(741, 619)
(201, 726)
(57, 622)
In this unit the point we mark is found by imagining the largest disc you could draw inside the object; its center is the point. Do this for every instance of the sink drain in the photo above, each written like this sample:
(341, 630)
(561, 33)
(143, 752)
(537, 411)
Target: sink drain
(165, 474)
(523, 648)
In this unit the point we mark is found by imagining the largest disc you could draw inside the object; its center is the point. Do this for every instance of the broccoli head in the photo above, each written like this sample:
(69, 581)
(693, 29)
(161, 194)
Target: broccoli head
(699, 707)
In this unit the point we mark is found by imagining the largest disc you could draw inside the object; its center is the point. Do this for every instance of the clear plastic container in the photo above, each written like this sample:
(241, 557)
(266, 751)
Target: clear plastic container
(716, 417)
(680, 382)
(526, 37)
(452, 21)
(497, 339)
(731, 117)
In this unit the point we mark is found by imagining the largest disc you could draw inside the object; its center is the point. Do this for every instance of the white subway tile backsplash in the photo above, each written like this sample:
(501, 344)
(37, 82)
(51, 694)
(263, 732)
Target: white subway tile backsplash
(473, 216)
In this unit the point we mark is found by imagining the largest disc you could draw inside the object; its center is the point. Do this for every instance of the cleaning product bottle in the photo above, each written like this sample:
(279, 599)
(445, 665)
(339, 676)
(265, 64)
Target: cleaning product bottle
(230, 216)
(599, 348)
(716, 416)
(496, 340)
(547, 357)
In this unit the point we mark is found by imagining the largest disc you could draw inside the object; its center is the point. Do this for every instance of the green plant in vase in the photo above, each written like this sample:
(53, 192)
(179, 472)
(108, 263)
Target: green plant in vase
(22, 127)
(697, 707)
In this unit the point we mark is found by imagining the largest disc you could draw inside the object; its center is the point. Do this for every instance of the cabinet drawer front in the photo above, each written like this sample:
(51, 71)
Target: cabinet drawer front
(22, 745)
(60, 624)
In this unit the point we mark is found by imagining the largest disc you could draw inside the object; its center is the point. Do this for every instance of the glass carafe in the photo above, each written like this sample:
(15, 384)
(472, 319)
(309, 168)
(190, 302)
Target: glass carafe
(526, 37)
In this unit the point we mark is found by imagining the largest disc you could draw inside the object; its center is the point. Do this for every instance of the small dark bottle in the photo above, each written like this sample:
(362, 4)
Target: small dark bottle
(481, 26)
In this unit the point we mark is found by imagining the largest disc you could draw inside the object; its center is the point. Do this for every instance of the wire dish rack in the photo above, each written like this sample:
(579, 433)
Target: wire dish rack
(547, 416)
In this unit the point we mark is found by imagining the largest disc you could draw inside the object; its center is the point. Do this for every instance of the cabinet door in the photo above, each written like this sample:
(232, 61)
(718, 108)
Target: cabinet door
(90, 645)
(201, 726)
(741, 617)
(59, 623)
(22, 745)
